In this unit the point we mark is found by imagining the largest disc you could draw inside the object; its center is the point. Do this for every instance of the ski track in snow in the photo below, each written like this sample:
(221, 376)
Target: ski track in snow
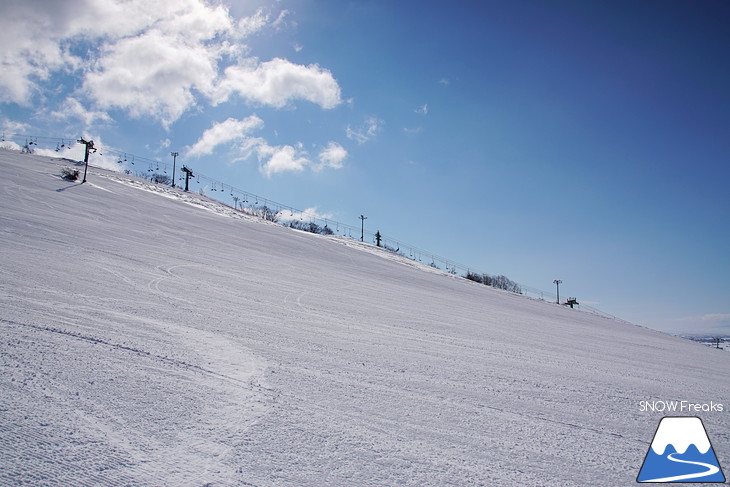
(145, 342)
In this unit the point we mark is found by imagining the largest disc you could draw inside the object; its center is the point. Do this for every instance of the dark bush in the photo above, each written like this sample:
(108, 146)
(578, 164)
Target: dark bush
(474, 277)
(310, 227)
(69, 174)
(161, 179)
(499, 282)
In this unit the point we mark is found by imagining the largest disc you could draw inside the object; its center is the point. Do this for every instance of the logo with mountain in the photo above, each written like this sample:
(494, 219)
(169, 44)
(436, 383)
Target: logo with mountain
(681, 452)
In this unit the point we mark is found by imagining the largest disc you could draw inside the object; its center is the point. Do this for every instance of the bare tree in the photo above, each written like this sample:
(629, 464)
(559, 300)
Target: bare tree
(161, 178)
(268, 214)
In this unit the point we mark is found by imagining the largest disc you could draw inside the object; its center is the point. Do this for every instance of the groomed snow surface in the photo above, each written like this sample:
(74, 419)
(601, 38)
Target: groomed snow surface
(170, 341)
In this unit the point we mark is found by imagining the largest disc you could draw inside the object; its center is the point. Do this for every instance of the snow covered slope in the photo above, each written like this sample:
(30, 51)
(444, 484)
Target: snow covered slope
(148, 340)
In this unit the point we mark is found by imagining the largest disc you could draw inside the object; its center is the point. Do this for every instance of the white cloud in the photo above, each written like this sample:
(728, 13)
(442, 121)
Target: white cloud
(277, 159)
(224, 132)
(149, 58)
(444, 81)
(279, 81)
(310, 214)
(283, 159)
(162, 145)
(15, 84)
(422, 110)
(250, 25)
(29, 49)
(273, 159)
(38, 37)
(152, 74)
(72, 108)
(14, 127)
(370, 128)
(331, 156)
(194, 21)
(249, 146)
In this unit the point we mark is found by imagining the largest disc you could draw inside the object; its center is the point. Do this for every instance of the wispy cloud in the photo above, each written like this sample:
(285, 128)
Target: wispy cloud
(281, 21)
(706, 323)
(716, 317)
(162, 145)
(250, 25)
(273, 159)
(72, 108)
(422, 110)
(707, 318)
(369, 129)
(13, 126)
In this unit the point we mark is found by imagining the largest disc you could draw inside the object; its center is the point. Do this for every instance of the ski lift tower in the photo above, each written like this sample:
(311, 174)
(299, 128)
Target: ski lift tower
(188, 174)
(89, 148)
(557, 283)
(362, 227)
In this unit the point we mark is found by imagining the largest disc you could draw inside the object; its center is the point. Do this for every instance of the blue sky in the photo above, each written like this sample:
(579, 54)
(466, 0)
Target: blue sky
(563, 140)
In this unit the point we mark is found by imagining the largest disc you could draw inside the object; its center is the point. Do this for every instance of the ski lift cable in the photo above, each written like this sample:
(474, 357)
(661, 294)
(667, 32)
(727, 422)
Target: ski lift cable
(129, 158)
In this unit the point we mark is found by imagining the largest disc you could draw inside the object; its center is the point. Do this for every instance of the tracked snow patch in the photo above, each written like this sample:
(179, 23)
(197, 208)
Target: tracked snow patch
(143, 342)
